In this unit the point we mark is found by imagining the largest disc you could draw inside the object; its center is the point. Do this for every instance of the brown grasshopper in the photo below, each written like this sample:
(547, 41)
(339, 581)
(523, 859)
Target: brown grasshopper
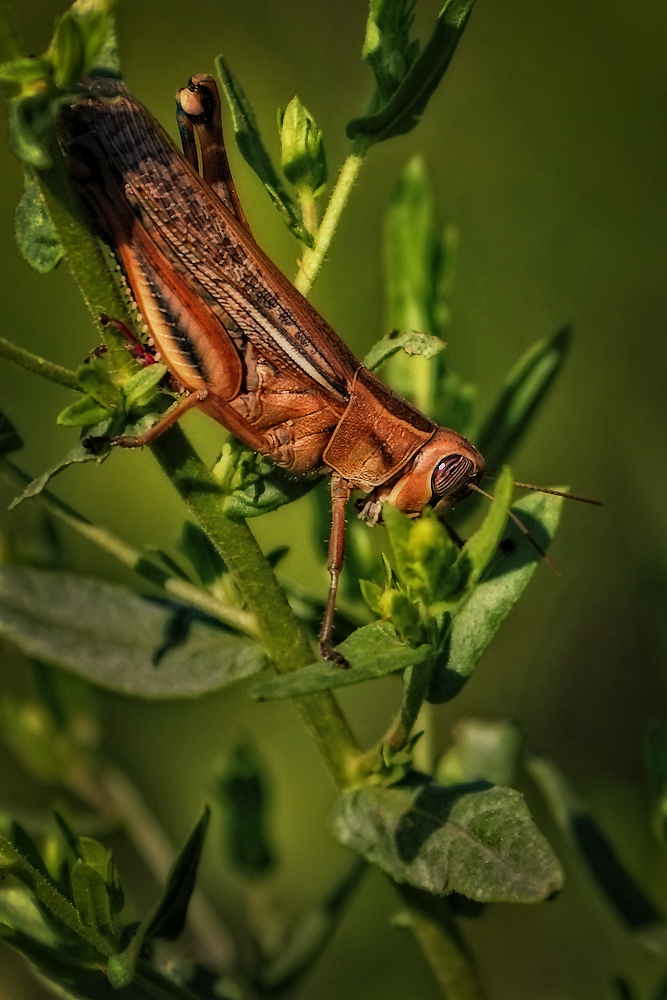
(247, 347)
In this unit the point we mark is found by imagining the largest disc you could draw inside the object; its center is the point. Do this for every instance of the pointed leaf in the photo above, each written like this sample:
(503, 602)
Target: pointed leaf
(167, 918)
(67, 52)
(475, 839)
(85, 412)
(481, 546)
(372, 651)
(622, 892)
(254, 152)
(522, 393)
(94, 378)
(92, 899)
(501, 585)
(401, 112)
(36, 235)
(142, 386)
(111, 635)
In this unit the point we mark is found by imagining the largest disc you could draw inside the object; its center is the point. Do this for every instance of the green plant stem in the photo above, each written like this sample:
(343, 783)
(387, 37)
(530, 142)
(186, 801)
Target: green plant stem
(312, 260)
(280, 631)
(39, 366)
(135, 559)
(443, 948)
(308, 205)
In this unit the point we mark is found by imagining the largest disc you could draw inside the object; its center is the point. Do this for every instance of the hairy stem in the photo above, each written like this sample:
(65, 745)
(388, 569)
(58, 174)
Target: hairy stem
(39, 366)
(280, 631)
(436, 933)
(312, 260)
(135, 559)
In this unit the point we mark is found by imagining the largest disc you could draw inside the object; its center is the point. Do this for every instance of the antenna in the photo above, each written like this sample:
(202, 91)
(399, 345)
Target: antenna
(522, 528)
(554, 493)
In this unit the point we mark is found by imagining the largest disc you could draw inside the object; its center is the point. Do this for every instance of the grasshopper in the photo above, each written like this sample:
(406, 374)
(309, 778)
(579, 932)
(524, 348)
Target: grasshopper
(247, 348)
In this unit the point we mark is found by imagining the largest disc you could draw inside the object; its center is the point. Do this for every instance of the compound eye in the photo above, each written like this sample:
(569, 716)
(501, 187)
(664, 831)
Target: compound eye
(451, 478)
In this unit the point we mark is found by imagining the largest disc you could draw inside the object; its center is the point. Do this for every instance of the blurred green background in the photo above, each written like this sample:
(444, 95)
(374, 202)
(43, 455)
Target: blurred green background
(547, 145)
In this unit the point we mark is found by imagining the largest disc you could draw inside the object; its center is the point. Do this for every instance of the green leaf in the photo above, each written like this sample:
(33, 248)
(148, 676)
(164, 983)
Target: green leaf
(10, 439)
(242, 789)
(28, 121)
(77, 454)
(19, 910)
(254, 152)
(85, 412)
(481, 750)
(522, 393)
(94, 378)
(475, 839)
(253, 484)
(27, 848)
(141, 387)
(416, 81)
(36, 235)
(101, 860)
(372, 651)
(118, 639)
(501, 585)
(167, 918)
(412, 343)
(92, 899)
(67, 53)
(424, 555)
(12, 862)
(624, 895)
(480, 547)
(303, 161)
(24, 72)
(96, 22)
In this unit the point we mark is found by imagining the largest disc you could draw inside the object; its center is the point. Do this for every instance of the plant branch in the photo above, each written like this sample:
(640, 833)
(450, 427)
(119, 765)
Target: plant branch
(312, 260)
(135, 559)
(280, 631)
(436, 933)
(39, 366)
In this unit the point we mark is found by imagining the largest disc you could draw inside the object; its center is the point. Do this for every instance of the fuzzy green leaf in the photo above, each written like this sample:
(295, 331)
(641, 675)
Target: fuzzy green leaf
(96, 23)
(67, 52)
(85, 412)
(167, 918)
(141, 387)
(421, 73)
(479, 618)
(36, 235)
(94, 378)
(302, 159)
(254, 485)
(475, 839)
(113, 637)
(522, 393)
(254, 152)
(372, 651)
(27, 123)
(412, 343)
(92, 899)
(10, 439)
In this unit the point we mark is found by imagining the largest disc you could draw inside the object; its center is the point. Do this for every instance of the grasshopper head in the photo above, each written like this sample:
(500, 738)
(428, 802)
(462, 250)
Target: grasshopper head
(441, 474)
